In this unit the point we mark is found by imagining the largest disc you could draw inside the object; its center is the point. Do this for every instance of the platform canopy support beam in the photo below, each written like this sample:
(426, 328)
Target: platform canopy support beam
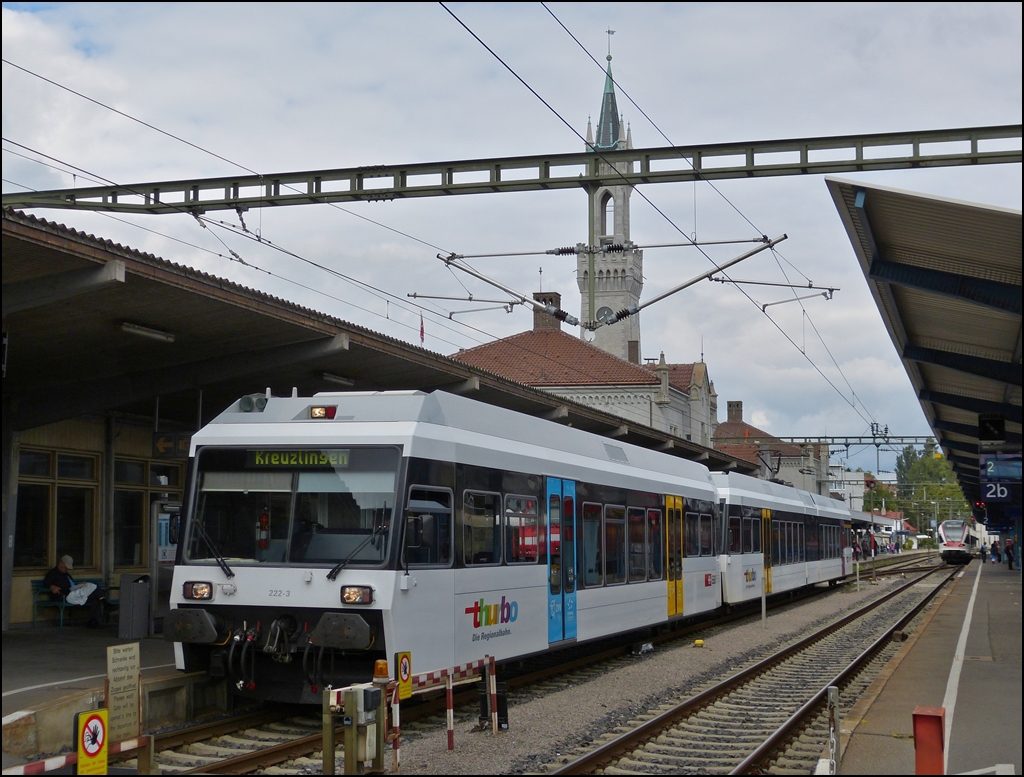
(1004, 372)
(48, 289)
(71, 401)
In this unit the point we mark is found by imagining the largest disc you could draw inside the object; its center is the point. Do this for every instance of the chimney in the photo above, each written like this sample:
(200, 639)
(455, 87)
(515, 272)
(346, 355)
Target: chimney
(541, 320)
(735, 411)
(662, 372)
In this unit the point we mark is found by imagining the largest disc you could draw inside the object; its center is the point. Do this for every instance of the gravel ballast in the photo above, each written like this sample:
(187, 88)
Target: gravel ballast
(548, 724)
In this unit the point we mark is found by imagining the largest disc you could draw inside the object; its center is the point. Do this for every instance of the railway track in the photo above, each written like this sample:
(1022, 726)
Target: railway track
(281, 741)
(737, 726)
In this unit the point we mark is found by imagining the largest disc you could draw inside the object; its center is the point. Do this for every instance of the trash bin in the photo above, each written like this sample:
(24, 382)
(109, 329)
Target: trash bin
(133, 620)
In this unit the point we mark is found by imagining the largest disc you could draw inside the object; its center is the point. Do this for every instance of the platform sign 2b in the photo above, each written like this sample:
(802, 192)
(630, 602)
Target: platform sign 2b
(92, 737)
(1000, 477)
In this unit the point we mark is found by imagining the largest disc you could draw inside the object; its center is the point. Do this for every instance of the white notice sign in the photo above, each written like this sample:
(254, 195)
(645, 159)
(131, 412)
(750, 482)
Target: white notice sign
(123, 691)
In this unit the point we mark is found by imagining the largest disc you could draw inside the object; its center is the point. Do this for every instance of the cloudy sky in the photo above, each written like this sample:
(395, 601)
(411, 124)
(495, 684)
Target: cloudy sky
(278, 88)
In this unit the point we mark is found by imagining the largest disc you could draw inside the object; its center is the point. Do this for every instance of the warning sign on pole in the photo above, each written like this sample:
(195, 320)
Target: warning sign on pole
(91, 736)
(123, 690)
(403, 666)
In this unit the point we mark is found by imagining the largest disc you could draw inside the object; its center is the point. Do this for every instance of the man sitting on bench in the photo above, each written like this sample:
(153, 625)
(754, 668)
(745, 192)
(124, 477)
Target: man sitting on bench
(60, 583)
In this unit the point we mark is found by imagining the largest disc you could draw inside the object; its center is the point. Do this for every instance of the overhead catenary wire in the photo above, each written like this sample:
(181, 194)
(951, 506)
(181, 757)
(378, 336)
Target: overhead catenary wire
(257, 173)
(216, 155)
(596, 376)
(235, 258)
(710, 183)
(643, 195)
(611, 248)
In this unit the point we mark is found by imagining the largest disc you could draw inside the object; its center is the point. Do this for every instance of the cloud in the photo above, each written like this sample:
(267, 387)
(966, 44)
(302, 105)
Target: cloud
(308, 87)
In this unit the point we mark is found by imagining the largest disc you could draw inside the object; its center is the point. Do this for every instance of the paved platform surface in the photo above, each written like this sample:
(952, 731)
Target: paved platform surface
(986, 715)
(46, 664)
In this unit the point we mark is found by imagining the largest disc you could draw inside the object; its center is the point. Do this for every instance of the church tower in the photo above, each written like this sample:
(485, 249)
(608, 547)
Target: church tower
(618, 271)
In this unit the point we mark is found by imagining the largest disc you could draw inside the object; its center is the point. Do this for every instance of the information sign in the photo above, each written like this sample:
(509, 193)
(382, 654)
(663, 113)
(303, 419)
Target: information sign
(92, 737)
(123, 690)
(403, 666)
(1000, 468)
(171, 445)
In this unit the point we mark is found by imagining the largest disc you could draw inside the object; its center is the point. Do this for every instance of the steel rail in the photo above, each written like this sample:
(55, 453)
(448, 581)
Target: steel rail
(188, 736)
(630, 740)
(296, 748)
(799, 718)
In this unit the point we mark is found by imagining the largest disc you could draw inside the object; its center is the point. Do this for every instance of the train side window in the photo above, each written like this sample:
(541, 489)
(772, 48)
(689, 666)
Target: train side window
(691, 539)
(656, 554)
(428, 533)
(481, 528)
(756, 531)
(707, 536)
(637, 544)
(614, 544)
(800, 542)
(735, 544)
(593, 574)
(776, 546)
(521, 534)
(748, 539)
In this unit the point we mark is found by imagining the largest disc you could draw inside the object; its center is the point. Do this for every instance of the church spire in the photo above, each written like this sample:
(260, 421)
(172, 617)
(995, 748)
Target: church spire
(608, 122)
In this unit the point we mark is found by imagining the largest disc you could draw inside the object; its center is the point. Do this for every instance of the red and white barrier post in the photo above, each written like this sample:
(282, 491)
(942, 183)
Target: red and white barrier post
(451, 711)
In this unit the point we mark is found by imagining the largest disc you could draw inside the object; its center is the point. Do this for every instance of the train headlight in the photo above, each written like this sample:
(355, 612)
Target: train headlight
(323, 411)
(356, 594)
(192, 590)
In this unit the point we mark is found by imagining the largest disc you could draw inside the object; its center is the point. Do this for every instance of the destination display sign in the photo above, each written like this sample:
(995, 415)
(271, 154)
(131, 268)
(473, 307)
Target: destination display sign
(305, 458)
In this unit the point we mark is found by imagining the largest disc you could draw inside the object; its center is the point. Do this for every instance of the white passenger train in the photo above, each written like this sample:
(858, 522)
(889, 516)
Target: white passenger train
(956, 542)
(324, 533)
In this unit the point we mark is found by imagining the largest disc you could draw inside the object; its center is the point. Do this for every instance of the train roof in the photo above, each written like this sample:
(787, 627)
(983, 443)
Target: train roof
(451, 411)
(752, 492)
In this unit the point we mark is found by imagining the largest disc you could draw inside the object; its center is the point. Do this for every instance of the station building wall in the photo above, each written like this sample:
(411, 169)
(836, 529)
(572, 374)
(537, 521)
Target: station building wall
(70, 500)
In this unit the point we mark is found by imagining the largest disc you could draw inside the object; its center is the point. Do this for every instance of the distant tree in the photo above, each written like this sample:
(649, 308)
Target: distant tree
(904, 461)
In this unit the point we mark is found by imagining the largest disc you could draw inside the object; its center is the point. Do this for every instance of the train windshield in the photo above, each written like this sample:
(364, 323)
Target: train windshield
(295, 506)
(954, 531)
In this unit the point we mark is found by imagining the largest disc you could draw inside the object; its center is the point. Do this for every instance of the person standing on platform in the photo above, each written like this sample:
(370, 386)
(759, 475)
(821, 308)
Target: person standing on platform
(60, 583)
(984, 552)
(996, 556)
(1009, 549)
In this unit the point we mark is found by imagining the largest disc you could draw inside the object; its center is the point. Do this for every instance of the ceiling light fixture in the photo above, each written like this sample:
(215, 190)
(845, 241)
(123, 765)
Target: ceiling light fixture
(145, 331)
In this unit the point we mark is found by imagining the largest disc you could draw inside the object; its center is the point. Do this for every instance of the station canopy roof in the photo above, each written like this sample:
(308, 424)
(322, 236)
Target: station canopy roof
(92, 327)
(946, 277)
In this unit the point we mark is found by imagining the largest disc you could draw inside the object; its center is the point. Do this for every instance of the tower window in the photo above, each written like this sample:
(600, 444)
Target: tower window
(608, 214)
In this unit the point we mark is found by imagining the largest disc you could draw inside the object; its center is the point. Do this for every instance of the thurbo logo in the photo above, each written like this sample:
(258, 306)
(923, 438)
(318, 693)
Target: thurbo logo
(493, 614)
(750, 575)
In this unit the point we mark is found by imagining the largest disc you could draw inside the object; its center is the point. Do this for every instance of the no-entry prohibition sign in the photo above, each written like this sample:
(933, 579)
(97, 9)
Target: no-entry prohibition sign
(91, 735)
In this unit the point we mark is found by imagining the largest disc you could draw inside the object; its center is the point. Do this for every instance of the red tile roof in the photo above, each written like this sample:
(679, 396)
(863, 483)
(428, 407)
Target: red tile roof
(679, 375)
(735, 431)
(554, 358)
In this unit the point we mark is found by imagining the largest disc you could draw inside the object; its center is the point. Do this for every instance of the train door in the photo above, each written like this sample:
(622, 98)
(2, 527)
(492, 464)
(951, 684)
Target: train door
(766, 547)
(674, 551)
(561, 538)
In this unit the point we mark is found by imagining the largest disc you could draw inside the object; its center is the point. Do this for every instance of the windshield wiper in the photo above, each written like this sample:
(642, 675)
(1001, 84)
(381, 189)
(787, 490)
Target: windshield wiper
(218, 557)
(377, 531)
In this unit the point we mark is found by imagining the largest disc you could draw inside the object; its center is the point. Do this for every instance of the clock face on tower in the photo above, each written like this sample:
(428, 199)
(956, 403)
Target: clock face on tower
(604, 313)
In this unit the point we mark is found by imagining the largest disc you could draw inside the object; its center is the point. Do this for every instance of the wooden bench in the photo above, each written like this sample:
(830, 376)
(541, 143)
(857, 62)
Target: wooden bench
(42, 596)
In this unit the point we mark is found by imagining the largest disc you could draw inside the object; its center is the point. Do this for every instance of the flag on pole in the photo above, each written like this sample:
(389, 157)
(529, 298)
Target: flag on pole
(422, 332)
